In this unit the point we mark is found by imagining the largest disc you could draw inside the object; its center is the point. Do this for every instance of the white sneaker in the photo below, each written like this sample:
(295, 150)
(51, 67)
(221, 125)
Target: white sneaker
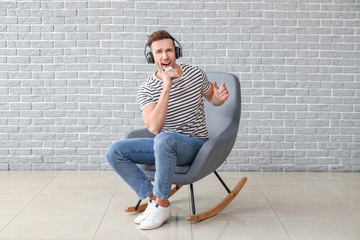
(146, 213)
(156, 218)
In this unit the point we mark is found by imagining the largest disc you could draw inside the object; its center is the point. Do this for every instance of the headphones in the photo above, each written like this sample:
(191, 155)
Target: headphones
(150, 57)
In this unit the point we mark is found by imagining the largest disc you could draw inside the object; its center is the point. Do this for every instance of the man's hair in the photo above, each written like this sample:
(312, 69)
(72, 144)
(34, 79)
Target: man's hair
(159, 35)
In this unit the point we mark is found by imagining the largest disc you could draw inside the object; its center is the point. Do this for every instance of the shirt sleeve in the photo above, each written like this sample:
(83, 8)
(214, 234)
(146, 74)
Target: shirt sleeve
(205, 83)
(144, 97)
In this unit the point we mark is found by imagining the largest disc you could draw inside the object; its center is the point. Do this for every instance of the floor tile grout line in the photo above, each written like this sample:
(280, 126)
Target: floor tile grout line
(1, 230)
(106, 210)
(347, 201)
(282, 225)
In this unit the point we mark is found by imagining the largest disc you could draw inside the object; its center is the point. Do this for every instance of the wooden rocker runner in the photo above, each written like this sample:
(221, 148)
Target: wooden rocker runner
(222, 123)
(204, 215)
(221, 205)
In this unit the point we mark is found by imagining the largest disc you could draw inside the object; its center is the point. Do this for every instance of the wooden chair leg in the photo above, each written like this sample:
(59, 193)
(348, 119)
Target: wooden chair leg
(221, 205)
(143, 206)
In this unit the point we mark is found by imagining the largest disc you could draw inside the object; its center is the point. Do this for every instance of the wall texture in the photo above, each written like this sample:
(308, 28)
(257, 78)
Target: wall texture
(69, 72)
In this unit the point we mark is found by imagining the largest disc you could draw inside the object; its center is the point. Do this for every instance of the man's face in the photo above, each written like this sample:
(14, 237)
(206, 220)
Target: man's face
(164, 53)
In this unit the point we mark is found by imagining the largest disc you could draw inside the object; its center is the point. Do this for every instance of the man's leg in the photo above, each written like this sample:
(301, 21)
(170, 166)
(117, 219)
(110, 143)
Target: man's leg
(123, 157)
(171, 149)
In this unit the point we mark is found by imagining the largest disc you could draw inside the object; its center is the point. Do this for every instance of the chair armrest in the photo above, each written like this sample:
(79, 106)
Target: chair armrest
(140, 133)
(211, 155)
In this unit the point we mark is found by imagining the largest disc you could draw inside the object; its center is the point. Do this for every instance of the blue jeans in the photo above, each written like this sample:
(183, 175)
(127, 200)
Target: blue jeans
(166, 151)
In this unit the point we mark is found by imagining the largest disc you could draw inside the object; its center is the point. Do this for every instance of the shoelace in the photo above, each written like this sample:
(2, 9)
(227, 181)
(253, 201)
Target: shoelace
(147, 210)
(153, 212)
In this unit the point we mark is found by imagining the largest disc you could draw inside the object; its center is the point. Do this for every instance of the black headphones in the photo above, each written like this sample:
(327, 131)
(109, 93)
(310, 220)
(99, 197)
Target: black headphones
(150, 57)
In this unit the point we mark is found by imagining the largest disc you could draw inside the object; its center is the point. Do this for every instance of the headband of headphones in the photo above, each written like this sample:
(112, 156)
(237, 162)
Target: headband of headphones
(150, 57)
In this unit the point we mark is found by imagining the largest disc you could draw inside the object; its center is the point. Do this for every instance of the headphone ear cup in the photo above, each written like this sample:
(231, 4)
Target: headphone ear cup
(178, 52)
(150, 57)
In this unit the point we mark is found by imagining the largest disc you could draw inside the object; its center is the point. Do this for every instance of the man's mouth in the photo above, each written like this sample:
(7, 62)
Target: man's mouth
(166, 64)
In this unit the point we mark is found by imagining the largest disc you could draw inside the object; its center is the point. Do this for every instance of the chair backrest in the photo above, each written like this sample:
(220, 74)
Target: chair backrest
(219, 118)
(222, 124)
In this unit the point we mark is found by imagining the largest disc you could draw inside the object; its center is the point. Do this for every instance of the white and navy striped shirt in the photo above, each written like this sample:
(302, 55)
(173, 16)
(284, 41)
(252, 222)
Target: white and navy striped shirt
(185, 114)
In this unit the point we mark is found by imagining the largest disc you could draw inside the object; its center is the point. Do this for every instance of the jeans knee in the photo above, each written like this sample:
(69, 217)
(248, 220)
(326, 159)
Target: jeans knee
(110, 153)
(164, 137)
(113, 152)
(163, 140)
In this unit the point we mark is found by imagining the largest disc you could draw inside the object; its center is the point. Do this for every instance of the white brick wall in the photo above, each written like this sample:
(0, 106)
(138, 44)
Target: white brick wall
(69, 71)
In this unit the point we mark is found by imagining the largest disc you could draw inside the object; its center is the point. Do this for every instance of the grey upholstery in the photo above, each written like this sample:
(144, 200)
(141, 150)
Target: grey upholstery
(222, 123)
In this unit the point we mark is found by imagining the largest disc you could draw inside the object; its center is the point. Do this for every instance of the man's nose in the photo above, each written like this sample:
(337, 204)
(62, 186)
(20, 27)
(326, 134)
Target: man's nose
(165, 54)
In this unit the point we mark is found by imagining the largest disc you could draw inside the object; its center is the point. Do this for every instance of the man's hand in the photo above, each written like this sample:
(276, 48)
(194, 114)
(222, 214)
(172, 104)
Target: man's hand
(221, 93)
(217, 95)
(167, 76)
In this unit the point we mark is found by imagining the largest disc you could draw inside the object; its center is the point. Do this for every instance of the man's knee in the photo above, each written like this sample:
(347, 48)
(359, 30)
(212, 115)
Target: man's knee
(113, 151)
(164, 138)
(165, 141)
(110, 152)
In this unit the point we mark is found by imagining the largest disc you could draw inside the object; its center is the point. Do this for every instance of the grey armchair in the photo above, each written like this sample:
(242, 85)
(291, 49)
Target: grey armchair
(222, 123)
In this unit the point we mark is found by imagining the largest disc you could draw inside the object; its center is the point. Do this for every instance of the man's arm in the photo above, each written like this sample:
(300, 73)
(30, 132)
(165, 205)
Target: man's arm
(154, 114)
(216, 95)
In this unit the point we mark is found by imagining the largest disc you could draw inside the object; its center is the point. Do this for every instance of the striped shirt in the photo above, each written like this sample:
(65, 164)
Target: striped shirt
(185, 114)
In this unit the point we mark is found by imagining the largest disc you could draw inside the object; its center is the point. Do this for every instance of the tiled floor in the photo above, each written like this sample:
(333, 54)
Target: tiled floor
(90, 206)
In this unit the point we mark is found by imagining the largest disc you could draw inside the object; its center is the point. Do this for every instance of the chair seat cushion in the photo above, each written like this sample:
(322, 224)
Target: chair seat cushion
(179, 169)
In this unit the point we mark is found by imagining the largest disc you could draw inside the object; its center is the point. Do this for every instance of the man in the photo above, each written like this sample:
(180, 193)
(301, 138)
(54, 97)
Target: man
(174, 111)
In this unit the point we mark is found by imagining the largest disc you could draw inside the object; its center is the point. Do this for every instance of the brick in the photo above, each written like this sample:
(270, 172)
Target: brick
(340, 168)
(215, 6)
(192, 6)
(142, 5)
(20, 166)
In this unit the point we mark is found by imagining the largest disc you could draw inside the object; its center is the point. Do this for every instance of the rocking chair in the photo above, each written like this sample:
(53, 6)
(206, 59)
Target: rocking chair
(222, 124)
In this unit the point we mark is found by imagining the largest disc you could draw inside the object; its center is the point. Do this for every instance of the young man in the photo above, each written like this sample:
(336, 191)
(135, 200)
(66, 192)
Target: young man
(174, 111)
